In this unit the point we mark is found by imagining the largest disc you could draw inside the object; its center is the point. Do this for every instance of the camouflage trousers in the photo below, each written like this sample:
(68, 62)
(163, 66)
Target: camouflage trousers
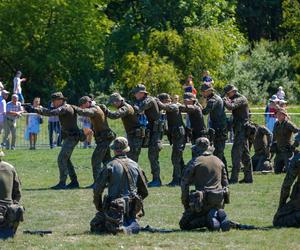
(154, 148)
(219, 146)
(281, 162)
(261, 162)
(178, 145)
(100, 155)
(191, 220)
(240, 154)
(135, 143)
(65, 165)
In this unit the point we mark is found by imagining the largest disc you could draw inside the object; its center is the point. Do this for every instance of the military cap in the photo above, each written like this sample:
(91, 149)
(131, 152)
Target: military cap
(84, 100)
(282, 111)
(120, 144)
(115, 97)
(139, 88)
(189, 96)
(274, 98)
(202, 144)
(228, 88)
(206, 87)
(164, 97)
(57, 96)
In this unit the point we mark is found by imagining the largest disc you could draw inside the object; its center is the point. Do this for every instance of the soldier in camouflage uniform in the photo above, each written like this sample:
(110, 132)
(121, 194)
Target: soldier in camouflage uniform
(262, 139)
(147, 105)
(102, 133)
(216, 111)
(71, 135)
(127, 188)
(282, 141)
(11, 212)
(288, 213)
(176, 135)
(238, 104)
(135, 133)
(204, 207)
(195, 116)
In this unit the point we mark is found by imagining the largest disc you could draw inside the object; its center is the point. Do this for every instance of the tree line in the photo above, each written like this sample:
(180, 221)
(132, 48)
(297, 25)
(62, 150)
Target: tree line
(97, 46)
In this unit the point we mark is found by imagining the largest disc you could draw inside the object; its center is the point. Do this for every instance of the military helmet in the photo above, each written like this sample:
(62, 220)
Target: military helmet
(84, 100)
(228, 88)
(202, 143)
(206, 87)
(139, 88)
(115, 97)
(189, 96)
(57, 96)
(164, 97)
(120, 144)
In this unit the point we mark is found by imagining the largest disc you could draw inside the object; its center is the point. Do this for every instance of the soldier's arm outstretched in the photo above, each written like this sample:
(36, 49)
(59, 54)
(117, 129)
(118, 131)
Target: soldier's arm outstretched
(144, 105)
(186, 181)
(120, 113)
(88, 112)
(238, 102)
(51, 112)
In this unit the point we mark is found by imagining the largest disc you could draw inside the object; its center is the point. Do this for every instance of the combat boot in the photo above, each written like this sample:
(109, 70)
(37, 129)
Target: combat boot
(174, 182)
(73, 184)
(154, 183)
(213, 223)
(246, 181)
(223, 219)
(60, 185)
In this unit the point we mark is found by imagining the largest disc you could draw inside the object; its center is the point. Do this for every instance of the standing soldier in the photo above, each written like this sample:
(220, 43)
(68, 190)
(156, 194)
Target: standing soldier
(204, 207)
(238, 104)
(102, 133)
(176, 135)
(123, 205)
(134, 131)
(71, 135)
(147, 105)
(282, 140)
(217, 116)
(262, 139)
(288, 213)
(194, 111)
(11, 212)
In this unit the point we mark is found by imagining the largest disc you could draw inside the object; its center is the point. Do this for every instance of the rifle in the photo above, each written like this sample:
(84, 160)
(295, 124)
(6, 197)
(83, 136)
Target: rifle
(156, 230)
(28, 107)
(37, 232)
(239, 226)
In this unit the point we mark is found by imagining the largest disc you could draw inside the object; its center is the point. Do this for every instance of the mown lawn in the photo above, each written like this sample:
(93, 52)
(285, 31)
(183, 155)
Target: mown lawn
(68, 213)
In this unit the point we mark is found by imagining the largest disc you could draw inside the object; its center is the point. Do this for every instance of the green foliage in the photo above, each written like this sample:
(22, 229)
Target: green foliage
(258, 73)
(155, 72)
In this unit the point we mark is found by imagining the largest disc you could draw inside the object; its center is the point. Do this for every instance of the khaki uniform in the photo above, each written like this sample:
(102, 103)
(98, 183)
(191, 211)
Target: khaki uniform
(216, 111)
(207, 173)
(196, 119)
(122, 206)
(132, 127)
(288, 213)
(10, 196)
(71, 135)
(261, 143)
(282, 135)
(176, 135)
(238, 104)
(150, 107)
(103, 136)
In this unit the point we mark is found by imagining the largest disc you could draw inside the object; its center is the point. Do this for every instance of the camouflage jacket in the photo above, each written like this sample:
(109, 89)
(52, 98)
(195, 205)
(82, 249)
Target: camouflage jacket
(262, 140)
(115, 178)
(238, 104)
(215, 109)
(282, 134)
(150, 107)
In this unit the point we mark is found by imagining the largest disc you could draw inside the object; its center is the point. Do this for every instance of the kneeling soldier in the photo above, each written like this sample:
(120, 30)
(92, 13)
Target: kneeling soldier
(11, 213)
(288, 213)
(204, 206)
(127, 188)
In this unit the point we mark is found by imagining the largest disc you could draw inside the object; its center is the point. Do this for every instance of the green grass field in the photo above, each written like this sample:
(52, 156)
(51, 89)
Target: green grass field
(69, 212)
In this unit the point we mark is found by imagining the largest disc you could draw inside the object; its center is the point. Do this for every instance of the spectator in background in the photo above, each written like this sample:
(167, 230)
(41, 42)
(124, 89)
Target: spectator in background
(1, 87)
(87, 128)
(17, 85)
(283, 104)
(3, 98)
(33, 124)
(270, 117)
(189, 85)
(175, 99)
(206, 78)
(54, 128)
(14, 110)
(280, 93)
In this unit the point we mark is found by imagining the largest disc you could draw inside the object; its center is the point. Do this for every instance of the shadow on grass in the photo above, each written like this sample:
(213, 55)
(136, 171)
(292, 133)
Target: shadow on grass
(49, 188)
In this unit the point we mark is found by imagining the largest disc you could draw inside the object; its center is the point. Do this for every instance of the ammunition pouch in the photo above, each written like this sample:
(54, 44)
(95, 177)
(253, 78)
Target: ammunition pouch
(196, 201)
(11, 214)
(75, 134)
(139, 132)
(114, 216)
(106, 135)
(214, 198)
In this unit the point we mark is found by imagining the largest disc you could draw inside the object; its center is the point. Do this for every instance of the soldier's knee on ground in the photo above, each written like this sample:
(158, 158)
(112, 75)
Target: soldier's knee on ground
(97, 224)
(213, 223)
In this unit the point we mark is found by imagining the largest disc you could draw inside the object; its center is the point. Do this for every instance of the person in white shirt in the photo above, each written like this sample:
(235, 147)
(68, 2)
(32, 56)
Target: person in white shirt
(17, 86)
(3, 97)
(1, 88)
(280, 93)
